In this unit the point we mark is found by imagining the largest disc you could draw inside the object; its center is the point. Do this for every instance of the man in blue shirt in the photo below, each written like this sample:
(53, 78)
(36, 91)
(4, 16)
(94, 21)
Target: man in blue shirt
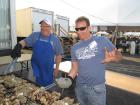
(88, 57)
(46, 50)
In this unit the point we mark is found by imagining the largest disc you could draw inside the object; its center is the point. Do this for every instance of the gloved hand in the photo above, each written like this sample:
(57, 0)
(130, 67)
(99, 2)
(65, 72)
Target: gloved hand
(64, 82)
(16, 52)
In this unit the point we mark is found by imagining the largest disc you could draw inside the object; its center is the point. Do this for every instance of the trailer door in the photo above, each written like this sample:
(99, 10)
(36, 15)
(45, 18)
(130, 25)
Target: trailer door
(38, 15)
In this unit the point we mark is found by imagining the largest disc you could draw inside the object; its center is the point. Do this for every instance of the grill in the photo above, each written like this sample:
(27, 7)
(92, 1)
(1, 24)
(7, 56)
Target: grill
(19, 91)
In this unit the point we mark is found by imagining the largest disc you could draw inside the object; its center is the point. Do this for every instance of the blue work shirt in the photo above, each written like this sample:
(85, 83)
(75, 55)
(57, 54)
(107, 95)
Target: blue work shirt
(58, 50)
(89, 55)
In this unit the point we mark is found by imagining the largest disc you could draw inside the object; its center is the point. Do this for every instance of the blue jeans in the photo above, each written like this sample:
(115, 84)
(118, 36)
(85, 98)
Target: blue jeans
(91, 95)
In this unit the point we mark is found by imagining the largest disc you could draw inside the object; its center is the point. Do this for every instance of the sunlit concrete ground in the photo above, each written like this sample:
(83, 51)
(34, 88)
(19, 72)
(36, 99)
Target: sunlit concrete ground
(123, 81)
(132, 59)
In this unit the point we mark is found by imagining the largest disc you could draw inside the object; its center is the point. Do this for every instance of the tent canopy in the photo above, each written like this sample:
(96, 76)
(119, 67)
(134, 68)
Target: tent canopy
(100, 12)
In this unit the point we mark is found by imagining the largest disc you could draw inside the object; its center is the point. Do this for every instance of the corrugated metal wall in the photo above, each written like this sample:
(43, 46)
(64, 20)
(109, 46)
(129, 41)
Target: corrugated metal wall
(5, 26)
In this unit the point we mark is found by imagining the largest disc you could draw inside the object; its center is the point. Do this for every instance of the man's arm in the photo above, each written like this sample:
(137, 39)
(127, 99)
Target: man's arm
(74, 69)
(58, 59)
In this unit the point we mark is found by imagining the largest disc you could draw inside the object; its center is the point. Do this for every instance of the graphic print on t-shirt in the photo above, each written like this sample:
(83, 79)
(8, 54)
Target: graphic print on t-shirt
(88, 51)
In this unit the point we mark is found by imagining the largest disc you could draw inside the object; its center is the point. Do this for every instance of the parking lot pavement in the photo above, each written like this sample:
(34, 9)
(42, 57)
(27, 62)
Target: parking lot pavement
(123, 81)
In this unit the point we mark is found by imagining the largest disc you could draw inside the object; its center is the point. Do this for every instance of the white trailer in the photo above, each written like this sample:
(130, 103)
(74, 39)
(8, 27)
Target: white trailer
(7, 26)
(62, 25)
(27, 20)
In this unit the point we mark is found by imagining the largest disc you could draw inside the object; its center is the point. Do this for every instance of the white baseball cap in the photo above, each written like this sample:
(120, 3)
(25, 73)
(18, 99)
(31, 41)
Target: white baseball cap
(46, 21)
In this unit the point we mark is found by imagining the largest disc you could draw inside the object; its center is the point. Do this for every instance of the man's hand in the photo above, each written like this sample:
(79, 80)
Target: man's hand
(110, 56)
(16, 52)
(64, 82)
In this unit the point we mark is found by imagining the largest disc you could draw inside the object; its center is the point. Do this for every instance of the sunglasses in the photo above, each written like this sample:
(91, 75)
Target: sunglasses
(81, 28)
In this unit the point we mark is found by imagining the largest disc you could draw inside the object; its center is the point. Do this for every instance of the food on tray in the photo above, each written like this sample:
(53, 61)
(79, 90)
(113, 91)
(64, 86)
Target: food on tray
(18, 91)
